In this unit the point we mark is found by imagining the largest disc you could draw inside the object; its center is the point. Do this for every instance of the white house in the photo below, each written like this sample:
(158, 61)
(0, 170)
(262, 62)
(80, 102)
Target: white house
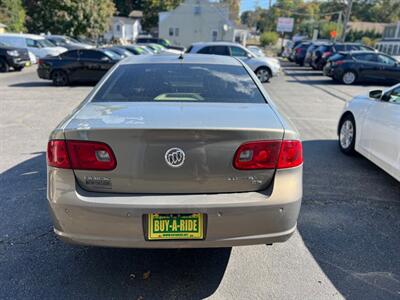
(199, 21)
(125, 28)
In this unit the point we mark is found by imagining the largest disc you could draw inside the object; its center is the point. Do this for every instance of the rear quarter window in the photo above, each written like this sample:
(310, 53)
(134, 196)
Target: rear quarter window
(181, 83)
(337, 56)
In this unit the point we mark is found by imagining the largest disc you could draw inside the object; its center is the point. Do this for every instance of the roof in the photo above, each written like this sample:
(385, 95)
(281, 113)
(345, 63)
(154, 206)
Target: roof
(357, 52)
(25, 35)
(221, 43)
(136, 14)
(187, 58)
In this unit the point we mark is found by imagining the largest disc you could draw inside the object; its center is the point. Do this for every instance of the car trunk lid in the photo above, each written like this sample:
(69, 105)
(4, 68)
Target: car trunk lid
(141, 134)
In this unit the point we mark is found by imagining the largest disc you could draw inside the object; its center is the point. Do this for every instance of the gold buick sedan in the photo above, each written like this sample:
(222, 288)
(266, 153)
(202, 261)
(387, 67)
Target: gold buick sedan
(175, 152)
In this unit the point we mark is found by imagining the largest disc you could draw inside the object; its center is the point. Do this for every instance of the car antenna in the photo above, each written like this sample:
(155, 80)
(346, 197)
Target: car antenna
(181, 55)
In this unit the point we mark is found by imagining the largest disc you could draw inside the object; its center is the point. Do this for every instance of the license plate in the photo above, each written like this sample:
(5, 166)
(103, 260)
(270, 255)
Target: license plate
(175, 226)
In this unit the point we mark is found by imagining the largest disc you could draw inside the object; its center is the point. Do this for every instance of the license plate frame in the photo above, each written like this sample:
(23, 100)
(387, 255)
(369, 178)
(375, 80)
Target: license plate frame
(154, 232)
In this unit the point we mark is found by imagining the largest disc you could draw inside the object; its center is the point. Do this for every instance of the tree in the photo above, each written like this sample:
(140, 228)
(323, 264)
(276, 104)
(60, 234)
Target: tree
(72, 17)
(269, 38)
(12, 14)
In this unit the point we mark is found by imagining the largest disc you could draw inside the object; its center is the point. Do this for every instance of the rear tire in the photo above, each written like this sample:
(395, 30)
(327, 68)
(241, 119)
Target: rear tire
(263, 74)
(349, 77)
(4, 67)
(18, 69)
(60, 78)
(347, 135)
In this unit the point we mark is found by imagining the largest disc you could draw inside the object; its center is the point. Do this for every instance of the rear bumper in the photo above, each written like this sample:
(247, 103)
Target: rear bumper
(118, 220)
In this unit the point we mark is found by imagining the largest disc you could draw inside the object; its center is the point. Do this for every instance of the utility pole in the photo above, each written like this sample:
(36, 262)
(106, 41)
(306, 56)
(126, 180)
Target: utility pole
(346, 18)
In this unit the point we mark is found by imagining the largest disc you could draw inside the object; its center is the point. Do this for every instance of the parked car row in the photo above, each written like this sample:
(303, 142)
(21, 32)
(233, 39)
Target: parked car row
(41, 46)
(86, 65)
(347, 63)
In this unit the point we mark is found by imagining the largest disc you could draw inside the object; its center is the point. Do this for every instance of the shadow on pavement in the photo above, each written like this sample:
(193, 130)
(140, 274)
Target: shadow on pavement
(32, 84)
(35, 264)
(350, 221)
(49, 84)
(309, 73)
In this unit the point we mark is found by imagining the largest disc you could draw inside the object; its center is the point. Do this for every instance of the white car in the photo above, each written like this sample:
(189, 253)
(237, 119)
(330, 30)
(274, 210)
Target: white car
(263, 67)
(35, 44)
(370, 125)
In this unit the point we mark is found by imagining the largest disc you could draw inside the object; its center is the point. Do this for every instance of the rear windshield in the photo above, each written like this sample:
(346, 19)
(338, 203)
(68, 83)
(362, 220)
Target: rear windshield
(179, 82)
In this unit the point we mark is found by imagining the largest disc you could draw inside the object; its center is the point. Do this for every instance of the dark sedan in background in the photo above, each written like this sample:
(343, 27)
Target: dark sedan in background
(12, 57)
(84, 65)
(300, 52)
(363, 66)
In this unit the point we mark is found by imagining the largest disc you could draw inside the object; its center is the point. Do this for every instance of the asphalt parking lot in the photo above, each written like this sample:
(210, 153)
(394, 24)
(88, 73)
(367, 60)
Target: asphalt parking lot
(347, 244)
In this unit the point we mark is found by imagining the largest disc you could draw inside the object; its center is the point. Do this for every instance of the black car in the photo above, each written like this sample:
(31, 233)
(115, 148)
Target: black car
(11, 57)
(363, 66)
(324, 52)
(83, 65)
(300, 52)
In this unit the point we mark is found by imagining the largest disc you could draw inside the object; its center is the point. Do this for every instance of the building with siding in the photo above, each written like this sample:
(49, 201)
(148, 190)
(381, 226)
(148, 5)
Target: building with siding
(199, 21)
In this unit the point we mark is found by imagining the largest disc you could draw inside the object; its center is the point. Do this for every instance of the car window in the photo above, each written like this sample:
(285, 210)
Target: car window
(91, 54)
(217, 50)
(32, 43)
(393, 96)
(111, 54)
(181, 83)
(238, 52)
(73, 54)
(383, 59)
(368, 57)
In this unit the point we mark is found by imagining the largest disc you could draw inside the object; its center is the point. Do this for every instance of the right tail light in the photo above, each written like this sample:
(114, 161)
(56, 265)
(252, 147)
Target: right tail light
(268, 155)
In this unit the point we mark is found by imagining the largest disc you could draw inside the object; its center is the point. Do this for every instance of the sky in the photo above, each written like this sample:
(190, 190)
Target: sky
(252, 4)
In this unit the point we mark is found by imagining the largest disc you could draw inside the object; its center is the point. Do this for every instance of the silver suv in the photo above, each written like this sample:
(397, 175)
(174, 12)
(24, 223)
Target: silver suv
(264, 67)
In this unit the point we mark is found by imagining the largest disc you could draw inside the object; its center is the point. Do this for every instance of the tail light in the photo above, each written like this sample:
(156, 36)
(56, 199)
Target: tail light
(40, 62)
(80, 155)
(326, 54)
(338, 62)
(298, 50)
(268, 155)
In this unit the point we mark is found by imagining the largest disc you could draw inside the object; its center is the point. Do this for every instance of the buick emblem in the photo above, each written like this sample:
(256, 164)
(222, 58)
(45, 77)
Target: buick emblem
(175, 157)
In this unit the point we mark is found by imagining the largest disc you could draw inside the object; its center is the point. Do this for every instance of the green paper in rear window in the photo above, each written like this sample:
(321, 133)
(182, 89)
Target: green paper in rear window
(179, 82)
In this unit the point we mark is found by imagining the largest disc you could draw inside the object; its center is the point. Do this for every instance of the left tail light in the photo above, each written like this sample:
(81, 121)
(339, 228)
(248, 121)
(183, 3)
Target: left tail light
(80, 155)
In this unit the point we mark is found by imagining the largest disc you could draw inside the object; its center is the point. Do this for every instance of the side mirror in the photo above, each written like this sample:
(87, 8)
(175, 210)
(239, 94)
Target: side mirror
(248, 55)
(376, 94)
(105, 58)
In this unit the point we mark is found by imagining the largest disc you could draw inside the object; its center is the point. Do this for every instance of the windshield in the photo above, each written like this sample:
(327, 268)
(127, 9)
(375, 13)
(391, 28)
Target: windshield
(112, 54)
(70, 40)
(45, 43)
(179, 82)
